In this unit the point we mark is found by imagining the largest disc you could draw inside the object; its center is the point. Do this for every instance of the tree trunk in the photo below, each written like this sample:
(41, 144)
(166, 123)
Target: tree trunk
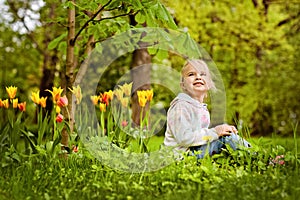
(69, 73)
(140, 77)
(141, 81)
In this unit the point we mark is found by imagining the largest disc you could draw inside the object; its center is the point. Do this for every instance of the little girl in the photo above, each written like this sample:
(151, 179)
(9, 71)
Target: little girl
(188, 118)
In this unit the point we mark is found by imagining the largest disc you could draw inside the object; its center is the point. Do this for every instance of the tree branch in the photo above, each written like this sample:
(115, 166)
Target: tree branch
(287, 20)
(87, 22)
(113, 17)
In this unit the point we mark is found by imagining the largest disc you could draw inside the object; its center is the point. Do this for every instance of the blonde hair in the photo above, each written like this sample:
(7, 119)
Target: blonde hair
(199, 65)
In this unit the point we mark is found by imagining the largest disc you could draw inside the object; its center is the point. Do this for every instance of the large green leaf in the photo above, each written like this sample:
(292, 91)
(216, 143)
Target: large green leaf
(53, 44)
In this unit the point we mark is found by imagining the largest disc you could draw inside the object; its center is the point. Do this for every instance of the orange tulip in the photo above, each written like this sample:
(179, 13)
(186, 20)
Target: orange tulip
(43, 101)
(11, 91)
(22, 106)
(1, 103)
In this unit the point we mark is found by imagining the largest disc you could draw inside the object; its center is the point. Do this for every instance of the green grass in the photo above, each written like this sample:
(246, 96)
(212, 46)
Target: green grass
(238, 175)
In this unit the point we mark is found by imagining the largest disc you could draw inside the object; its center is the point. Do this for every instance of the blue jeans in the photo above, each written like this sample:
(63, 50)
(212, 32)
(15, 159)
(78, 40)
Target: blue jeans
(216, 146)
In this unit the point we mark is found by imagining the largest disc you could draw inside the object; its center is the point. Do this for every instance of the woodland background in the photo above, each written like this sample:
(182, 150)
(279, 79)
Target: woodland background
(254, 43)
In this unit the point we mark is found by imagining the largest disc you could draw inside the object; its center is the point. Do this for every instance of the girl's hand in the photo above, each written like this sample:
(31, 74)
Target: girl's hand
(225, 130)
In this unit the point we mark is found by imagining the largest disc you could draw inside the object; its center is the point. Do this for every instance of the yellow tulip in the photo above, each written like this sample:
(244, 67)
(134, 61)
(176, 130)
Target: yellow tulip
(57, 109)
(77, 92)
(126, 88)
(142, 102)
(5, 103)
(15, 103)
(35, 97)
(119, 94)
(149, 94)
(56, 93)
(141, 94)
(110, 94)
(95, 99)
(125, 101)
(142, 98)
(11, 91)
(102, 107)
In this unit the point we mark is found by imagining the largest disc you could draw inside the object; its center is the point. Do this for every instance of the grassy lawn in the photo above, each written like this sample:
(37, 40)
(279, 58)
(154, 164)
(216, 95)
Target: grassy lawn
(238, 175)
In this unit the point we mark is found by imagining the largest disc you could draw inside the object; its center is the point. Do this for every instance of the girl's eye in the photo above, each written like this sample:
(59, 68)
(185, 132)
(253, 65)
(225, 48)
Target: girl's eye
(203, 74)
(191, 74)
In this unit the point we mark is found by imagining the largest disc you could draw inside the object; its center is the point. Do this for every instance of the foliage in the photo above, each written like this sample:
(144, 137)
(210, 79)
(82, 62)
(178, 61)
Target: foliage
(255, 56)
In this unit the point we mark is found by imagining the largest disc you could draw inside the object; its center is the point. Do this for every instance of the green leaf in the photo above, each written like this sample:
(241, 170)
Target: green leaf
(137, 4)
(140, 17)
(53, 44)
(152, 51)
(162, 54)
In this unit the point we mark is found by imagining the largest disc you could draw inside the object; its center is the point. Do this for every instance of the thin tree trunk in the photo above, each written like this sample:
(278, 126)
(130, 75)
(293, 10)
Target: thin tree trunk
(140, 77)
(69, 73)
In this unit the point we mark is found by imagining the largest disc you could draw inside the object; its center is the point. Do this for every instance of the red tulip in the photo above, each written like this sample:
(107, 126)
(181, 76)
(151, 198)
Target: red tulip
(59, 118)
(62, 101)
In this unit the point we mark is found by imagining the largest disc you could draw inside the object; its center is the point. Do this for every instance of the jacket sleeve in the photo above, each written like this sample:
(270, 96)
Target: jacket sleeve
(186, 128)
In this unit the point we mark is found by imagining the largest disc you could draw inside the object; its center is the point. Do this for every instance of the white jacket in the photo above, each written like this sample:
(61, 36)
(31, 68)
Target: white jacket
(187, 124)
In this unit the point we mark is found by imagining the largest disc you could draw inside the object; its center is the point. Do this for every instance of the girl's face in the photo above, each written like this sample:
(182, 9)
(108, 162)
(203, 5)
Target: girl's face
(194, 81)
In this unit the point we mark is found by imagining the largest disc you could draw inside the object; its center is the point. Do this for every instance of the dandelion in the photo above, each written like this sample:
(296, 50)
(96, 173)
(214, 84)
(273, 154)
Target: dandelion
(56, 93)
(102, 107)
(22, 106)
(15, 103)
(59, 118)
(62, 101)
(1, 103)
(11, 91)
(77, 92)
(43, 101)
(95, 99)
